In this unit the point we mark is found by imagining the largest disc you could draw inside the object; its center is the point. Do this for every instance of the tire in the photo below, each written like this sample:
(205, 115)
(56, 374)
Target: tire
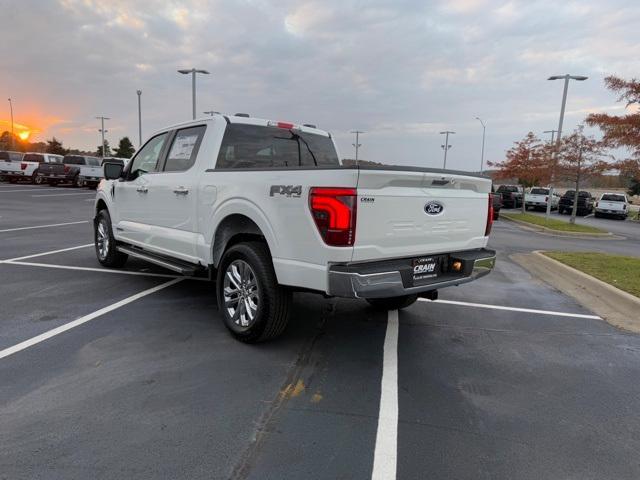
(76, 181)
(37, 179)
(392, 303)
(250, 265)
(105, 243)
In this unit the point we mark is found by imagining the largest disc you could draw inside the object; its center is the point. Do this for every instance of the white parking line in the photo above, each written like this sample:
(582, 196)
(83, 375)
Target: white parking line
(68, 326)
(513, 309)
(92, 269)
(29, 190)
(8, 260)
(42, 226)
(386, 450)
(65, 194)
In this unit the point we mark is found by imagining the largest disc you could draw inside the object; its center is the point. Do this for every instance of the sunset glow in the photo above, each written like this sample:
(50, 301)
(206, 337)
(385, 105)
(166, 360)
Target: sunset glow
(23, 132)
(24, 135)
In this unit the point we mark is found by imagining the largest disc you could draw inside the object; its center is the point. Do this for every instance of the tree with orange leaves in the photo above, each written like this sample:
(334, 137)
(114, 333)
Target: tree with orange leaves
(580, 157)
(529, 160)
(622, 131)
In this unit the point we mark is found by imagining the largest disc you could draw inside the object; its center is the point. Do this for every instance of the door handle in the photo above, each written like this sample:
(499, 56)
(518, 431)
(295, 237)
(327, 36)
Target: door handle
(142, 189)
(180, 191)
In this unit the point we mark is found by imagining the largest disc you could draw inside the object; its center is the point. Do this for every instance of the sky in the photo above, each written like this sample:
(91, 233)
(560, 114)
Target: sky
(402, 71)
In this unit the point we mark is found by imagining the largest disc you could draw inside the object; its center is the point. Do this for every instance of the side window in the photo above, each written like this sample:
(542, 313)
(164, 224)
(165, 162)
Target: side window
(147, 158)
(184, 149)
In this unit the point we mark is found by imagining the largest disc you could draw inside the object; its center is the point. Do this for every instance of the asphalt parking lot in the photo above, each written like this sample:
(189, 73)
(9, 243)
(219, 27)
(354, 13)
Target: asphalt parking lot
(131, 374)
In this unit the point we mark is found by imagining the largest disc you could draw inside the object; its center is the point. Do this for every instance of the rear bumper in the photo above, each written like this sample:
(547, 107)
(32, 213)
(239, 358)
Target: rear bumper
(393, 278)
(608, 211)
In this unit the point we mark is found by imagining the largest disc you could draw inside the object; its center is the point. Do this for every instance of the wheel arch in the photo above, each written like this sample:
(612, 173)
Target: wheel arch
(233, 229)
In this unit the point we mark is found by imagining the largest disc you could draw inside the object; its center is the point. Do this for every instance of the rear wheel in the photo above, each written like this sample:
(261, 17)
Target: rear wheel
(253, 305)
(105, 243)
(393, 303)
(76, 181)
(37, 178)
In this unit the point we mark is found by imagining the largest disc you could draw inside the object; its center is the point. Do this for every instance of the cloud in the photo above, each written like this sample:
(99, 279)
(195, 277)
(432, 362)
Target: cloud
(401, 70)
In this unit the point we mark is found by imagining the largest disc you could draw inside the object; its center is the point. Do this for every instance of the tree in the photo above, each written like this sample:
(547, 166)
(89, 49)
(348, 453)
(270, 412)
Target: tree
(580, 157)
(124, 149)
(529, 161)
(634, 187)
(622, 131)
(107, 150)
(55, 146)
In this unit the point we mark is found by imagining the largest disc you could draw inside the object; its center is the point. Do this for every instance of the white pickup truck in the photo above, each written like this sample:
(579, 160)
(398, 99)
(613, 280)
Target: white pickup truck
(28, 166)
(266, 208)
(537, 198)
(612, 204)
(9, 163)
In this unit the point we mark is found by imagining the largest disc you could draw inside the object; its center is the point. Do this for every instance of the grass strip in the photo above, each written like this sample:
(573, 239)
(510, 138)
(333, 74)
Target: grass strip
(553, 224)
(617, 270)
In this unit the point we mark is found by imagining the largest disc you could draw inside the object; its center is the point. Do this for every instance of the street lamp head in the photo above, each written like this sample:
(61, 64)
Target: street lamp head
(139, 92)
(580, 78)
(184, 71)
(202, 71)
(556, 77)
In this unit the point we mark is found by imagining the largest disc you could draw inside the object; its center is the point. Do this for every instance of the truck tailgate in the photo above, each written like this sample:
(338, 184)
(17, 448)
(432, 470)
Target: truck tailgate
(411, 213)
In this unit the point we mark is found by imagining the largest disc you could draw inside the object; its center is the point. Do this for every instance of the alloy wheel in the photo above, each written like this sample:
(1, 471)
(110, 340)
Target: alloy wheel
(103, 239)
(240, 293)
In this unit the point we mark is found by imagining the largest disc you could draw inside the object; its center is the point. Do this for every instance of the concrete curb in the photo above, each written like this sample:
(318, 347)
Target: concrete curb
(612, 304)
(557, 233)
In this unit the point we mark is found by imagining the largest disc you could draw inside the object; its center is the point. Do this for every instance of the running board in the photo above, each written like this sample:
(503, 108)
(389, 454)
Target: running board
(184, 268)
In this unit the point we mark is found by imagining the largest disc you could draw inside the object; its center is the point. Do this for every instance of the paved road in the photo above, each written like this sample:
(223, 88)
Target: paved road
(156, 388)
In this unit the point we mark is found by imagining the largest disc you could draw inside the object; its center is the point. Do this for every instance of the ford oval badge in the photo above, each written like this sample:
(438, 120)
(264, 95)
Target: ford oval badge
(433, 208)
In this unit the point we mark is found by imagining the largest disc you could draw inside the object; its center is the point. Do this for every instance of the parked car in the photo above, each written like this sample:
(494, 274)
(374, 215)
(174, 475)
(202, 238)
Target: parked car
(9, 163)
(511, 195)
(585, 202)
(612, 204)
(497, 204)
(79, 170)
(266, 208)
(29, 166)
(538, 197)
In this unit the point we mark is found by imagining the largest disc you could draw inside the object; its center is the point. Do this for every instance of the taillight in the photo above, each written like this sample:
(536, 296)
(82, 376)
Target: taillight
(67, 168)
(487, 229)
(334, 210)
(23, 166)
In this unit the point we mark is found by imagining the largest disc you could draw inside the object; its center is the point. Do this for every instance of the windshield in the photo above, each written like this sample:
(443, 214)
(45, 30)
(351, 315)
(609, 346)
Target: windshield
(613, 198)
(539, 191)
(33, 157)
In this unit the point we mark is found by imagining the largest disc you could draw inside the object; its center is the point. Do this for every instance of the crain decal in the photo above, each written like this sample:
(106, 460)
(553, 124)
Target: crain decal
(286, 190)
(433, 208)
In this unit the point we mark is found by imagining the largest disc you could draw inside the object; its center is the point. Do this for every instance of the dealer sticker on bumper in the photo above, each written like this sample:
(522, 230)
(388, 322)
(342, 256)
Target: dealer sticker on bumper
(425, 268)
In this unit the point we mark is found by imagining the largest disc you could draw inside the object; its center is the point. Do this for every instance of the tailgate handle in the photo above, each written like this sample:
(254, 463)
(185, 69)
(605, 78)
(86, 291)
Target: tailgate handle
(142, 189)
(442, 181)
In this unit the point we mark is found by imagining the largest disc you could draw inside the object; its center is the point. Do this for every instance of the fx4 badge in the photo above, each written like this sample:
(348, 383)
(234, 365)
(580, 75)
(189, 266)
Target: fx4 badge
(286, 190)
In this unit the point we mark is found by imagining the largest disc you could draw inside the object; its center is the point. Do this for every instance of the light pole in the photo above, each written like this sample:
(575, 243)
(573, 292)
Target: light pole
(11, 109)
(446, 145)
(566, 78)
(210, 112)
(102, 131)
(139, 92)
(357, 144)
(193, 72)
(482, 153)
(552, 132)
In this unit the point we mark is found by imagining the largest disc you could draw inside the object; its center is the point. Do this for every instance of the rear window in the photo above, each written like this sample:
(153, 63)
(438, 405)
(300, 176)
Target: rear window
(33, 157)
(507, 188)
(73, 160)
(539, 191)
(251, 146)
(94, 162)
(613, 198)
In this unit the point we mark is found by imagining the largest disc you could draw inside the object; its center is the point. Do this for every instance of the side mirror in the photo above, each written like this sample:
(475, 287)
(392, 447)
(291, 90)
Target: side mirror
(112, 170)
